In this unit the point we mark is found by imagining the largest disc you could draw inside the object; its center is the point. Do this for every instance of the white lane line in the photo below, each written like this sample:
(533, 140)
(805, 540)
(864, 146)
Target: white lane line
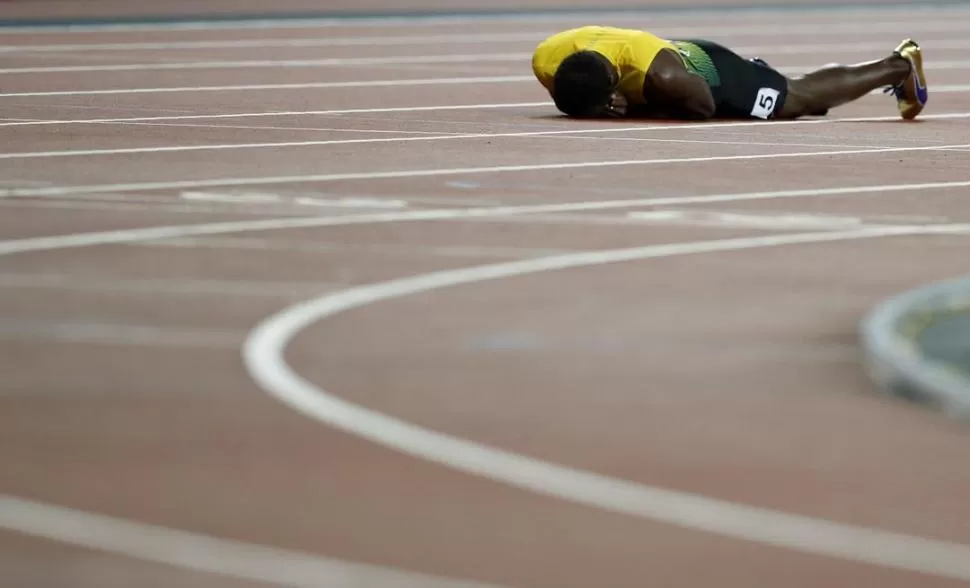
(398, 139)
(317, 41)
(70, 241)
(101, 333)
(263, 354)
(261, 87)
(816, 30)
(661, 217)
(719, 219)
(774, 221)
(182, 231)
(95, 202)
(287, 63)
(273, 198)
(293, 129)
(202, 553)
(738, 142)
(233, 198)
(163, 286)
(154, 207)
(443, 108)
(739, 220)
(445, 172)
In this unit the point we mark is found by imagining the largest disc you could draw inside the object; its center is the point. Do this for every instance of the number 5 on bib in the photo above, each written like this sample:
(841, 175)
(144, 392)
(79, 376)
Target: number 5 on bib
(764, 104)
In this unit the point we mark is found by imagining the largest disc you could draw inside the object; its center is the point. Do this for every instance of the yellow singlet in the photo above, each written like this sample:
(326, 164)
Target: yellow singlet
(630, 51)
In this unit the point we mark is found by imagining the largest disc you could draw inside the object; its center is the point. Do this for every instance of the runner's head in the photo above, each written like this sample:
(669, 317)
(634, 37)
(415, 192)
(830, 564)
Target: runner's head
(584, 84)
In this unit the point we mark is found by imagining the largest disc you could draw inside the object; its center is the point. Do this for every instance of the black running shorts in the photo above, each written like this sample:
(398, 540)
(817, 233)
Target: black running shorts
(742, 88)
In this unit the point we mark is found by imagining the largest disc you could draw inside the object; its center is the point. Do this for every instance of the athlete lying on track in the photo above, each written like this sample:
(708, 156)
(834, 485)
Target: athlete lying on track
(599, 71)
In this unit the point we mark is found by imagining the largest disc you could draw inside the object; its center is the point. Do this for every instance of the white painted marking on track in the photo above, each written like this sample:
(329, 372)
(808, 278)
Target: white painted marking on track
(264, 43)
(290, 129)
(578, 134)
(771, 222)
(162, 286)
(232, 198)
(395, 83)
(244, 198)
(279, 63)
(443, 172)
(272, 224)
(164, 203)
(665, 217)
(351, 202)
(101, 333)
(203, 553)
(264, 350)
(738, 142)
(777, 221)
(154, 207)
(443, 108)
(457, 201)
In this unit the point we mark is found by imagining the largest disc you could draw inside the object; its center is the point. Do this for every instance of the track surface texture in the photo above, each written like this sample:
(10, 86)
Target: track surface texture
(346, 303)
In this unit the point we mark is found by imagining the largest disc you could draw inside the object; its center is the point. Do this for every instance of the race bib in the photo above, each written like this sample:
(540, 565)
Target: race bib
(764, 104)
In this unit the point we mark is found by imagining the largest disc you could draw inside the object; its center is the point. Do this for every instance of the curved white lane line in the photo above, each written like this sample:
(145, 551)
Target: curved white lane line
(263, 355)
(121, 236)
(202, 553)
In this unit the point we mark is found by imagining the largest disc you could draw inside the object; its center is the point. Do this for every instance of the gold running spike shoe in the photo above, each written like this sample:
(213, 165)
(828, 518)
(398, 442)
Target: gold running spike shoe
(911, 95)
